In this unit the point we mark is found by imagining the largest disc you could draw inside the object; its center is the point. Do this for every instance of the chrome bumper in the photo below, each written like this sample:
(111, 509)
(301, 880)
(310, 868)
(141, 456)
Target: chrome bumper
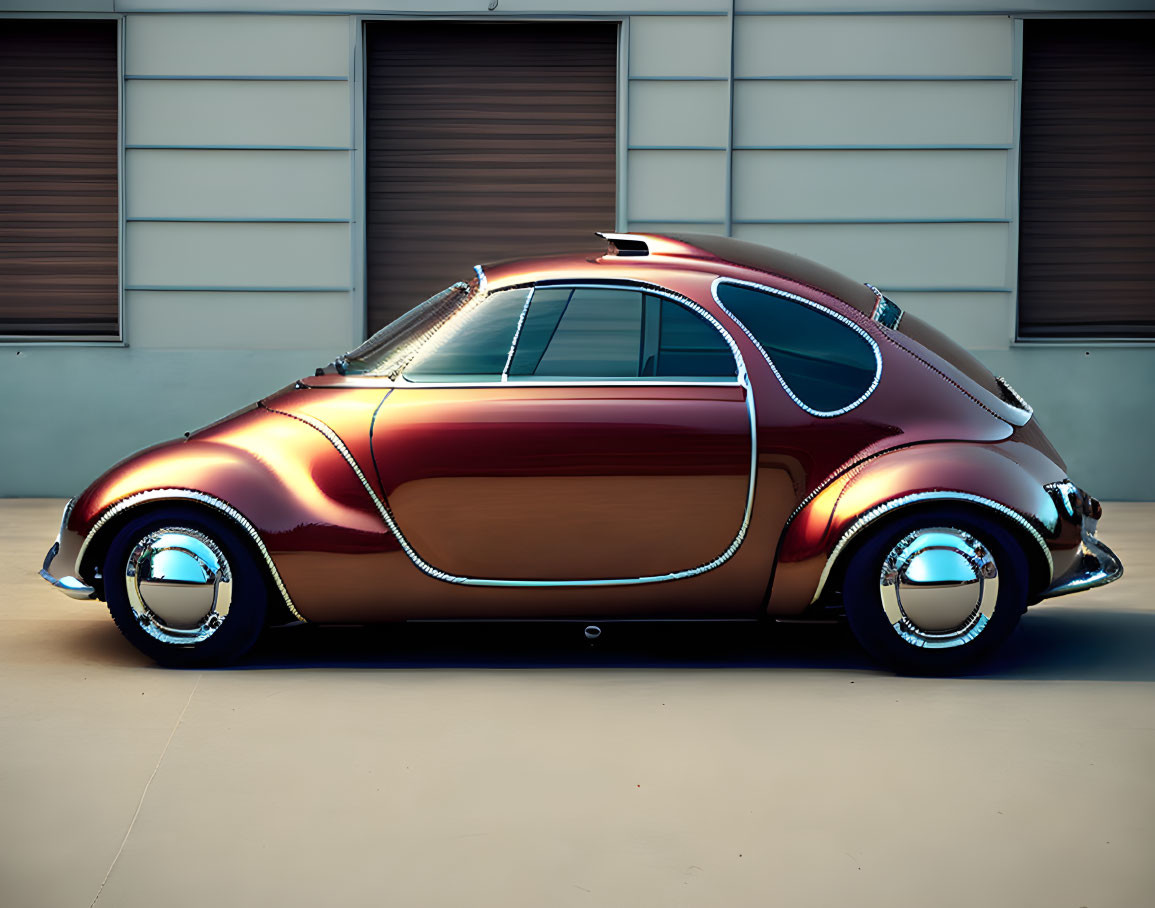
(68, 585)
(1095, 566)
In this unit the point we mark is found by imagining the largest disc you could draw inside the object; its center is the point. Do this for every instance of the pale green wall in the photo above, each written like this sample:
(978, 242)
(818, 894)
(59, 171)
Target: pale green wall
(69, 413)
(901, 171)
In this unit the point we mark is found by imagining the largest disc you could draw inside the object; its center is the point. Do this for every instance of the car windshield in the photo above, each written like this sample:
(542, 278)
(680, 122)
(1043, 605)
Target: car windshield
(392, 348)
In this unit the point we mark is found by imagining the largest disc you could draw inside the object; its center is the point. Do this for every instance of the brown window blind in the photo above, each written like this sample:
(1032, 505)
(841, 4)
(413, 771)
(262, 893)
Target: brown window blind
(1087, 179)
(484, 142)
(58, 178)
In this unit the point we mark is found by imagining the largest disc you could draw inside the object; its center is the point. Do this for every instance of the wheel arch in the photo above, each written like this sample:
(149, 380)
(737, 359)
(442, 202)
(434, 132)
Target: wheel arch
(96, 543)
(875, 521)
(1001, 482)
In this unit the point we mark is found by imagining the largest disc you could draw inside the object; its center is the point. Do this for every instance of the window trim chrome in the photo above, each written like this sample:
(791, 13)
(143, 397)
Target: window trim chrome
(577, 382)
(825, 414)
(516, 334)
(425, 567)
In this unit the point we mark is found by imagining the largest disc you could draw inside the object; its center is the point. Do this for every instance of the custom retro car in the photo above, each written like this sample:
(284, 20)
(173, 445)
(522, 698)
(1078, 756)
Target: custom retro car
(686, 427)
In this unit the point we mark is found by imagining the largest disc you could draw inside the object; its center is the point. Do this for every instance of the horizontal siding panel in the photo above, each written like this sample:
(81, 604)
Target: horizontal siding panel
(869, 184)
(238, 184)
(676, 185)
(678, 113)
(179, 45)
(978, 321)
(237, 255)
(873, 46)
(873, 113)
(676, 227)
(680, 46)
(922, 256)
(237, 113)
(239, 321)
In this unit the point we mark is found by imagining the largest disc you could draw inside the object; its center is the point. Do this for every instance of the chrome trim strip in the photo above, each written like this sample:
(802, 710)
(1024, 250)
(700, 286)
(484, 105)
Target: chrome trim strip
(888, 506)
(482, 280)
(516, 335)
(436, 573)
(192, 495)
(1018, 398)
(813, 305)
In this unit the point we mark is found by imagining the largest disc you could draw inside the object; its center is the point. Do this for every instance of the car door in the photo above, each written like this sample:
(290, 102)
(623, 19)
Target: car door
(603, 436)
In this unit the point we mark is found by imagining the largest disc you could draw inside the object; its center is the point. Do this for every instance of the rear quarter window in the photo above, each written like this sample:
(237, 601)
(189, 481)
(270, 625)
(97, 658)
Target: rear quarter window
(826, 363)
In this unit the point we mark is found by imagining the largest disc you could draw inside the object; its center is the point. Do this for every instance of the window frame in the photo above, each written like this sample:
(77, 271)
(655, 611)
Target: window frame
(737, 380)
(120, 337)
(824, 310)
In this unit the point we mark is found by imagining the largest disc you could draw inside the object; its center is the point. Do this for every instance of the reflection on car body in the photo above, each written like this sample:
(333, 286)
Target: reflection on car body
(683, 427)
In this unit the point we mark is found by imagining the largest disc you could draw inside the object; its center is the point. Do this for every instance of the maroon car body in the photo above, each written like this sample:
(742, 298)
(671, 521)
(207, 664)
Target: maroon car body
(367, 496)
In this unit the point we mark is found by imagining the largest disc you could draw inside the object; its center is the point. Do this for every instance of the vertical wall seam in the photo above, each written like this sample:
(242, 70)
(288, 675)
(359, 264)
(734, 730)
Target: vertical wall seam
(121, 178)
(1014, 164)
(358, 298)
(730, 128)
(621, 206)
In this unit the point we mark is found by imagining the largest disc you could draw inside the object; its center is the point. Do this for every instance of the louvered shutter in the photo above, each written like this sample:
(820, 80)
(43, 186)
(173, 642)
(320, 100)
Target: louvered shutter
(484, 142)
(1087, 179)
(58, 178)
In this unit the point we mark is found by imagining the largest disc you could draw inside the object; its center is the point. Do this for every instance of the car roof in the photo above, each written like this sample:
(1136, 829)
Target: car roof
(704, 252)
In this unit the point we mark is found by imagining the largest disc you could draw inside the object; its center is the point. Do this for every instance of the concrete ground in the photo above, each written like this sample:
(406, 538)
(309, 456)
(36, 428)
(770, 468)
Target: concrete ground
(521, 766)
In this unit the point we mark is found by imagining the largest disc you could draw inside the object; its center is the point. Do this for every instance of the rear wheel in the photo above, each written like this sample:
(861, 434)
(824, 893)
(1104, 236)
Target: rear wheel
(934, 592)
(184, 588)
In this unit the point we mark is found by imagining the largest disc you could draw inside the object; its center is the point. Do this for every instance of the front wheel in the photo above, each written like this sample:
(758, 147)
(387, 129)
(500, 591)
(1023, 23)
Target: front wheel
(934, 592)
(184, 588)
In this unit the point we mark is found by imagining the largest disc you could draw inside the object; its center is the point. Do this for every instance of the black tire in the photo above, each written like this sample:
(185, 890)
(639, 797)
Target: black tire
(863, 597)
(233, 634)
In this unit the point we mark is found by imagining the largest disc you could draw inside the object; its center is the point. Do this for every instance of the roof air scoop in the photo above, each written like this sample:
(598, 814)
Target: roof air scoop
(626, 243)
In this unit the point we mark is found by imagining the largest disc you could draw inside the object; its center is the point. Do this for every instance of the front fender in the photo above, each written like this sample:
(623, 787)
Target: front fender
(1004, 479)
(280, 479)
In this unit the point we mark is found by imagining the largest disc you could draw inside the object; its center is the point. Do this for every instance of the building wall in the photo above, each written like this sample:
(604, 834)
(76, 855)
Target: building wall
(884, 146)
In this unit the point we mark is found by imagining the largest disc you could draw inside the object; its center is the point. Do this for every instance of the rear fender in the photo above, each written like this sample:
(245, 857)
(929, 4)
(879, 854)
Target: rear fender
(1003, 481)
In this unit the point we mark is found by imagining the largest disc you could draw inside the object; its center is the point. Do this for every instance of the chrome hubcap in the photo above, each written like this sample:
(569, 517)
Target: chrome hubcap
(179, 585)
(939, 587)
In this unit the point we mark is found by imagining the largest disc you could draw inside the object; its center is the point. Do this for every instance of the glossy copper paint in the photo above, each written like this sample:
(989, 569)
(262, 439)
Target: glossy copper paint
(566, 483)
(1010, 473)
(285, 477)
(511, 481)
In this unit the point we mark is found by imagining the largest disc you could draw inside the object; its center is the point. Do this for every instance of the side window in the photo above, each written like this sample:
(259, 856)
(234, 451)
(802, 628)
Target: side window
(576, 332)
(580, 333)
(826, 364)
(473, 343)
(687, 346)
